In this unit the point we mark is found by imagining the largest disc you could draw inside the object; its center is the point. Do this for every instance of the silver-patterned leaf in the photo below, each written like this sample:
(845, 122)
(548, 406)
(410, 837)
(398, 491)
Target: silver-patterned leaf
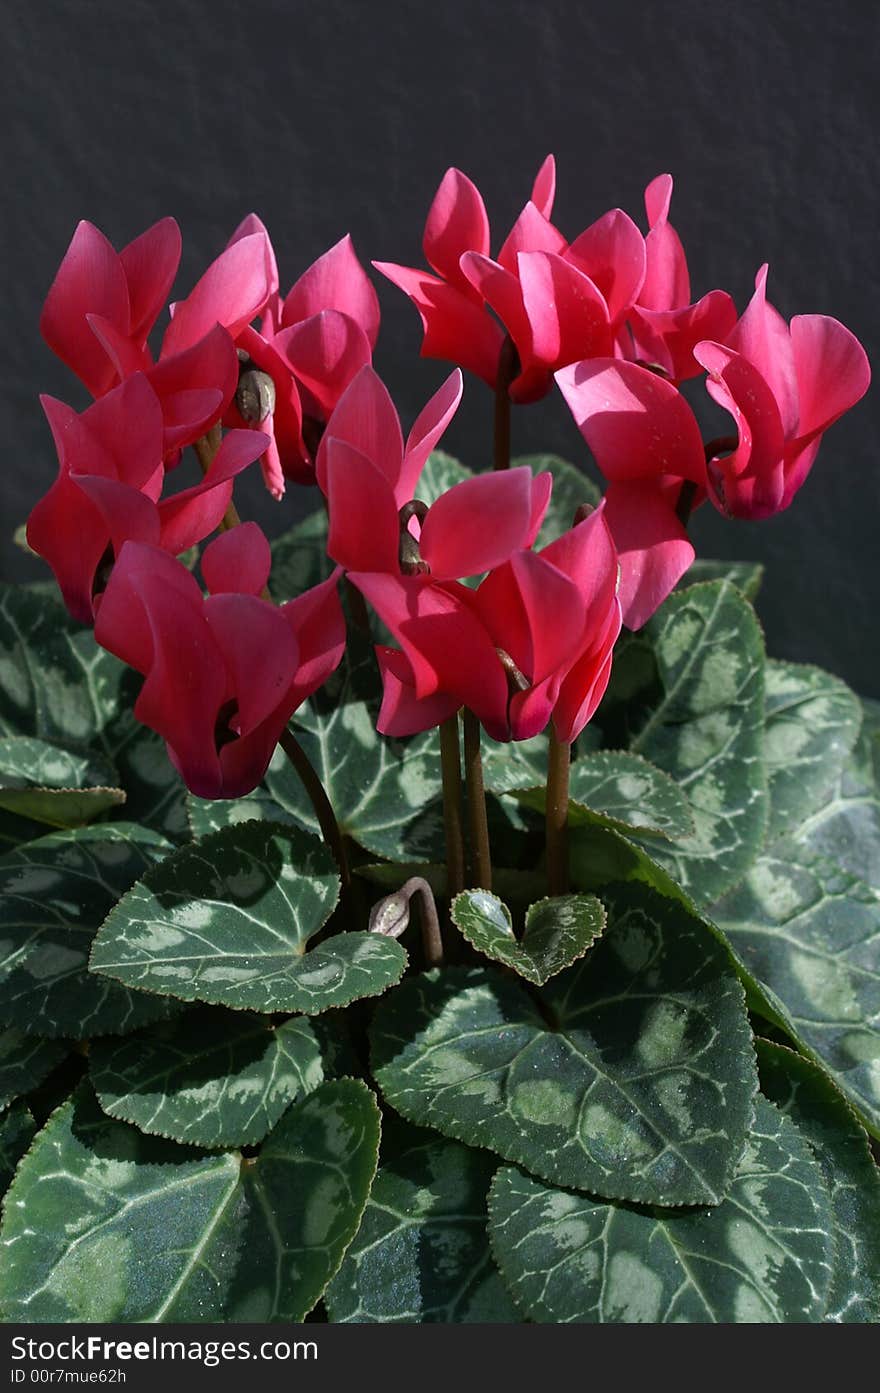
(631, 1075)
(105, 1224)
(57, 685)
(56, 786)
(25, 1061)
(228, 921)
(802, 1091)
(441, 472)
(620, 789)
(764, 1254)
(558, 930)
(212, 1077)
(847, 825)
(385, 793)
(54, 894)
(421, 1254)
(812, 724)
(707, 732)
(299, 557)
(745, 575)
(811, 932)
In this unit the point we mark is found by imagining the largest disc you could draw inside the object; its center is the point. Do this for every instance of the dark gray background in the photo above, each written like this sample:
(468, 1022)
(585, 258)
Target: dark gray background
(341, 116)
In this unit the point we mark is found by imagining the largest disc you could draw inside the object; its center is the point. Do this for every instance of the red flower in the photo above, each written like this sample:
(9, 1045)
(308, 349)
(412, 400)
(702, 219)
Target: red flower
(223, 674)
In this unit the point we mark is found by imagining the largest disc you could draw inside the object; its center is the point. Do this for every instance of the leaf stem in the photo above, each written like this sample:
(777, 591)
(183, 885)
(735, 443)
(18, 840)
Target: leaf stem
(481, 855)
(320, 802)
(558, 767)
(450, 765)
(508, 364)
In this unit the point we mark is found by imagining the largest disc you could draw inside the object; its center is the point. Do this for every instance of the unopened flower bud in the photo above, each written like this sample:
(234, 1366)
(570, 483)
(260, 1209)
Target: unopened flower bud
(255, 396)
(390, 916)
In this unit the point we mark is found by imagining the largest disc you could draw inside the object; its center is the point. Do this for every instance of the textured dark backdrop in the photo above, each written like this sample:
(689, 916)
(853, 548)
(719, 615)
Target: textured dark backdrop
(341, 116)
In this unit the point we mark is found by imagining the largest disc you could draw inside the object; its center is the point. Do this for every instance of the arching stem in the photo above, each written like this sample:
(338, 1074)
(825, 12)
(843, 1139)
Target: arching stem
(391, 917)
(450, 765)
(321, 804)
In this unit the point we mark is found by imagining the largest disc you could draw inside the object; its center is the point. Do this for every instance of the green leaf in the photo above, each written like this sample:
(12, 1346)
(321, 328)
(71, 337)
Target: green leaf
(54, 894)
(847, 825)
(43, 781)
(630, 1075)
(441, 472)
(15, 831)
(622, 790)
(745, 575)
(385, 793)
(421, 1254)
(707, 732)
(514, 764)
(558, 931)
(764, 1254)
(228, 920)
(803, 1092)
(299, 558)
(58, 686)
(211, 1077)
(811, 932)
(17, 1130)
(571, 489)
(813, 722)
(105, 1224)
(511, 883)
(25, 1061)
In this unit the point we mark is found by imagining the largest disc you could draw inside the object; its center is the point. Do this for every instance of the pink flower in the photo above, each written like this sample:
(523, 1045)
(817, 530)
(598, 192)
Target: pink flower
(109, 485)
(531, 643)
(665, 325)
(559, 302)
(223, 674)
(646, 441)
(784, 385)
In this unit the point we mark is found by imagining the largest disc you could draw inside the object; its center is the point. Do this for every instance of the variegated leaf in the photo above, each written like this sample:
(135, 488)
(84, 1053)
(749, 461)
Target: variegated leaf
(558, 930)
(25, 1061)
(619, 789)
(228, 921)
(54, 785)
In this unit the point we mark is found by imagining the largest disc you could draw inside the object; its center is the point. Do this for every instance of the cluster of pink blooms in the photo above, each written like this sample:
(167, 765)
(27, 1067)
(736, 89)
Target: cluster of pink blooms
(608, 317)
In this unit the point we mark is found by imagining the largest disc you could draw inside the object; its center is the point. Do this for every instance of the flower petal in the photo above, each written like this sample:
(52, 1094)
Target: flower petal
(150, 264)
(750, 482)
(762, 336)
(325, 351)
(427, 430)
(318, 621)
(667, 283)
(402, 713)
(534, 612)
(456, 329)
(364, 528)
(457, 223)
(544, 187)
(195, 386)
(669, 337)
(567, 314)
(531, 232)
(237, 561)
(336, 281)
(90, 280)
(652, 546)
(831, 369)
(365, 418)
(232, 292)
(612, 253)
(260, 652)
(477, 524)
(188, 517)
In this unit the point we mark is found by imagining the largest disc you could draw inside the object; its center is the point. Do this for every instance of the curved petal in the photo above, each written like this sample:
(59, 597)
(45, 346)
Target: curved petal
(195, 386)
(669, 337)
(456, 329)
(150, 264)
(402, 713)
(318, 621)
(68, 531)
(542, 490)
(531, 232)
(124, 353)
(667, 284)
(232, 292)
(427, 430)
(587, 555)
(457, 223)
(336, 281)
(90, 280)
(762, 336)
(128, 514)
(585, 685)
(365, 418)
(612, 253)
(250, 225)
(535, 613)
(477, 524)
(121, 434)
(544, 187)
(567, 314)
(831, 368)
(188, 517)
(325, 352)
(260, 651)
(750, 482)
(653, 548)
(237, 561)
(637, 425)
(364, 528)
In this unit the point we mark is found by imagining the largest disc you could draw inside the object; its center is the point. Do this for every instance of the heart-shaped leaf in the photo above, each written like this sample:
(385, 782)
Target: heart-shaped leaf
(56, 786)
(105, 1224)
(812, 724)
(558, 931)
(421, 1253)
(212, 1077)
(228, 921)
(763, 1254)
(17, 1130)
(54, 894)
(25, 1061)
(810, 931)
(707, 732)
(802, 1091)
(385, 792)
(617, 789)
(631, 1076)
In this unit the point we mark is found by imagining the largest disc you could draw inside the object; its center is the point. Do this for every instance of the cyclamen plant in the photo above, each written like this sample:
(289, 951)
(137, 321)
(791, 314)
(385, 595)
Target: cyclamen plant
(623, 1062)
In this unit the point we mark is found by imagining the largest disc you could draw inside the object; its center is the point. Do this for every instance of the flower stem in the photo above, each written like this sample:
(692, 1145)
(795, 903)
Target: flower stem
(206, 448)
(507, 370)
(450, 764)
(320, 802)
(558, 766)
(391, 917)
(476, 794)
